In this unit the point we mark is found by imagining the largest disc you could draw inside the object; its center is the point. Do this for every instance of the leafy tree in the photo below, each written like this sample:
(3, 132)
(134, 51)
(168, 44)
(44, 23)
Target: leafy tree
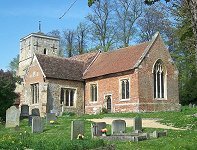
(13, 65)
(184, 56)
(154, 19)
(7, 94)
(127, 12)
(102, 27)
(69, 36)
(81, 37)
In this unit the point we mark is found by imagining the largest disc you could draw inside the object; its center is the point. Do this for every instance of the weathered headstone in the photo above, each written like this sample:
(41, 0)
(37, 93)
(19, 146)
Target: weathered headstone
(55, 112)
(35, 112)
(77, 127)
(96, 128)
(190, 105)
(37, 124)
(118, 126)
(194, 105)
(137, 124)
(157, 134)
(24, 111)
(50, 117)
(12, 117)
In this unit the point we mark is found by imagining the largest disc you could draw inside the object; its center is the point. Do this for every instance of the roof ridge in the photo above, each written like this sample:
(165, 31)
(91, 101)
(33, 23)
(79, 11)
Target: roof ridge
(156, 35)
(119, 49)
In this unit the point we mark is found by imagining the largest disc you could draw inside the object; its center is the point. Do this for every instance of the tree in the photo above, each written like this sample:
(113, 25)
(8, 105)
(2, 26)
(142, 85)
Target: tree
(184, 56)
(13, 65)
(7, 94)
(154, 19)
(69, 42)
(81, 37)
(127, 12)
(101, 24)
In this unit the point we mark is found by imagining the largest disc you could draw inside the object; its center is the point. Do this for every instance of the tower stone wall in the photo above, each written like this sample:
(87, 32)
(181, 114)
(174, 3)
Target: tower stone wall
(37, 43)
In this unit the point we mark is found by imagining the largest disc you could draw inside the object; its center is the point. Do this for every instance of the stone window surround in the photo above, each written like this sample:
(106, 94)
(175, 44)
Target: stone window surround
(35, 93)
(93, 83)
(74, 98)
(120, 89)
(165, 80)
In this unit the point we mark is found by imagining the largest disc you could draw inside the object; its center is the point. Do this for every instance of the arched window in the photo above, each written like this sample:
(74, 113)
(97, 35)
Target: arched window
(159, 74)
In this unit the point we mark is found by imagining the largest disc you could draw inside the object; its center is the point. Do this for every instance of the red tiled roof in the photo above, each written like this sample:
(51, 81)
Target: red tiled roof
(60, 68)
(116, 61)
(65, 68)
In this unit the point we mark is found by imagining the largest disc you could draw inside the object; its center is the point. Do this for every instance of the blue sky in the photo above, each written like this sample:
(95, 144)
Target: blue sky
(19, 18)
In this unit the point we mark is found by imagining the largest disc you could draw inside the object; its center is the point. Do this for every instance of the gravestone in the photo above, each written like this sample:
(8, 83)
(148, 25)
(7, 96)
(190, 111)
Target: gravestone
(190, 105)
(37, 124)
(118, 126)
(77, 127)
(96, 128)
(12, 117)
(35, 112)
(24, 111)
(55, 112)
(157, 134)
(50, 117)
(137, 124)
(194, 105)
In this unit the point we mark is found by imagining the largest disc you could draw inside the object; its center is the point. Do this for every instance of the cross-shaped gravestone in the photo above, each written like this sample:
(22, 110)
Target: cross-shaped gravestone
(37, 125)
(137, 124)
(118, 126)
(77, 128)
(12, 117)
(97, 127)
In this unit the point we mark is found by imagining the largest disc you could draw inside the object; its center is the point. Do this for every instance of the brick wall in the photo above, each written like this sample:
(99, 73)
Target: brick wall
(146, 82)
(110, 85)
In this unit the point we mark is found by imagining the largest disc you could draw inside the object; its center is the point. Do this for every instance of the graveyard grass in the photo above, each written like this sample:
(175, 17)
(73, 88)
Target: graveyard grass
(57, 135)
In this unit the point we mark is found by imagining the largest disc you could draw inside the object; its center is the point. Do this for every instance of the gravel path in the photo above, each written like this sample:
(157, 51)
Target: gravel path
(149, 123)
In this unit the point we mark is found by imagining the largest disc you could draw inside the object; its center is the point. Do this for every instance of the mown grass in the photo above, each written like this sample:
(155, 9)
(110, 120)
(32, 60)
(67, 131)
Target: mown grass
(57, 136)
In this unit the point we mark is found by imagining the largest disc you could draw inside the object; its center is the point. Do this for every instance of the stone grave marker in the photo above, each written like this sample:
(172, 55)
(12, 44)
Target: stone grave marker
(35, 112)
(54, 111)
(50, 117)
(157, 134)
(37, 124)
(77, 127)
(137, 124)
(194, 105)
(118, 126)
(12, 117)
(24, 111)
(96, 128)
(190, 105)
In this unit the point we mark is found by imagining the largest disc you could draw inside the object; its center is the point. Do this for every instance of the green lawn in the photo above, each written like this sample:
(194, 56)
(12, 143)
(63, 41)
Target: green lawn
(57, 136)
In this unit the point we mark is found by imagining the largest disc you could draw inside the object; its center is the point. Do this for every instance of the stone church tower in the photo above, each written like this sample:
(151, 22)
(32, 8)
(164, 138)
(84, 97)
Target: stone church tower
(37, 43)
(34, 43)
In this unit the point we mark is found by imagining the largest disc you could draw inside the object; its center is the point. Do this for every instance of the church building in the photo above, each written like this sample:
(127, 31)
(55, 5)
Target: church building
(139, 78)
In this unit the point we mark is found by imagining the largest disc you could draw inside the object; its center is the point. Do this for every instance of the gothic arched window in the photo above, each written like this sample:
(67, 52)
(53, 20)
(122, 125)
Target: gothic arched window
(159, 74)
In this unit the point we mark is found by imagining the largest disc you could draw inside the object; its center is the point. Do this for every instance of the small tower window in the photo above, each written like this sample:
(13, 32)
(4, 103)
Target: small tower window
(45, 51)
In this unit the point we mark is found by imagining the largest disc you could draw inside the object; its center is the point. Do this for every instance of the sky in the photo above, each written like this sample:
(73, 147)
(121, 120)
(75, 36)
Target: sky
(19, 18)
